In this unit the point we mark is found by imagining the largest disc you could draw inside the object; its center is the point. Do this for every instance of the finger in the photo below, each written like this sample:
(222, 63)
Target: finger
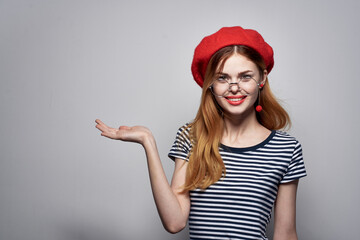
(107, 134)
(102, 128)
(115, 134)
(98, 121)
(124, 128)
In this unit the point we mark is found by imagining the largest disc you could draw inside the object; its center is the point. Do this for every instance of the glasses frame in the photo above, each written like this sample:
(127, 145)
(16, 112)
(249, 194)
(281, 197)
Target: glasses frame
(232, 83)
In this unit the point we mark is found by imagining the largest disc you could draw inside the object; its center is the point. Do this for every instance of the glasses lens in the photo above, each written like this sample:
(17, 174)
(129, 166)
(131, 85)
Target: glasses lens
(221, 87)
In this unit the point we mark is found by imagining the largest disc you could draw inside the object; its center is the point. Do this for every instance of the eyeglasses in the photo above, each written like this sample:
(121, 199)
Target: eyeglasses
(222, 85)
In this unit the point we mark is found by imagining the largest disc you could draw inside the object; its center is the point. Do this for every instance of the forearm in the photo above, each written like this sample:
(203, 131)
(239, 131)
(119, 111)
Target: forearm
(173, 207)
(285, 226)
(285, 212)
(172, 215)
(285, 236)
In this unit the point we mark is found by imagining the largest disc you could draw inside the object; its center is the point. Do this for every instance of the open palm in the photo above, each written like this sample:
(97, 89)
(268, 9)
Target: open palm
(136, 134)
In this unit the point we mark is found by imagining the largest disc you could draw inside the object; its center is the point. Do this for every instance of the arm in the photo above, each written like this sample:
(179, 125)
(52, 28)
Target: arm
(173, 205)
(285, 212)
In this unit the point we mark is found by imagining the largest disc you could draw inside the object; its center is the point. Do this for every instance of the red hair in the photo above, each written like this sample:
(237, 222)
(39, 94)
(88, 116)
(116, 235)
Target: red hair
(205, 163)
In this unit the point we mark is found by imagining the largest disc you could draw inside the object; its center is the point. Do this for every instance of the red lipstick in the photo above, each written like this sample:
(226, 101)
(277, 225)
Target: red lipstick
(235, 100)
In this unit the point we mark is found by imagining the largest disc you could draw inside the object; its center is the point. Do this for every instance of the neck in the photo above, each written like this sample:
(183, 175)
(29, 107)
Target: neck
(238, 124)
(243, 131)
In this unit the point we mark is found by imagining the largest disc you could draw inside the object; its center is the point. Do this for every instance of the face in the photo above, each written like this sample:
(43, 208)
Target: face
(236, 87)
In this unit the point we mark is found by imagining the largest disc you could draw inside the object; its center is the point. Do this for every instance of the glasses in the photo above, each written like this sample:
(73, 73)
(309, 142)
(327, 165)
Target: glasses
(222, 85)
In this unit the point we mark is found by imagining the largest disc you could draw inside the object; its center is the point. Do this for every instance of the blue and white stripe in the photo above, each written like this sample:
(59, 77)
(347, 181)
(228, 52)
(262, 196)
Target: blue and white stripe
(239, 205)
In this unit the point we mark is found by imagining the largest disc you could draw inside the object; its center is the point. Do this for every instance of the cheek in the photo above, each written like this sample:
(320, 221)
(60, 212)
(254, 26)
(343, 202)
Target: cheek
(252, 98)
(252, 90)
(254, 95)
(218, 101)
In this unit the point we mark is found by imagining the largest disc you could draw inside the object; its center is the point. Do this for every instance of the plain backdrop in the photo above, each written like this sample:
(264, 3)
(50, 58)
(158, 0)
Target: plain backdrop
(65, 63)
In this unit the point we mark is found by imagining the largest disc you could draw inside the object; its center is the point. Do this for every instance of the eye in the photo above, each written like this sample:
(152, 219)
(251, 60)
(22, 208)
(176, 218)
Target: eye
(246, 77)
(222, 79)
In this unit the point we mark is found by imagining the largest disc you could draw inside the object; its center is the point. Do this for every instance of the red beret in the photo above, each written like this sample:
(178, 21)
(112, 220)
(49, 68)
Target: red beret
(227, 36)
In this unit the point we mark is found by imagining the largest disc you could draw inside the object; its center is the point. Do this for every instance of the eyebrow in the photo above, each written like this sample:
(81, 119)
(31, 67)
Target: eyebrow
(240, 73)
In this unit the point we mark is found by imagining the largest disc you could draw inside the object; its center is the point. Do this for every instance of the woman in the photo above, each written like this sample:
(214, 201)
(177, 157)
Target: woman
(232, 164)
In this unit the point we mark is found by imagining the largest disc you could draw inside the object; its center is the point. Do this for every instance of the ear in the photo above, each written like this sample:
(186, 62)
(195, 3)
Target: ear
(264, 77)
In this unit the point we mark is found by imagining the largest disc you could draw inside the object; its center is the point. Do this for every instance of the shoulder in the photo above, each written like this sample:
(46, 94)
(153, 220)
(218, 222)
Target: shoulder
(283, 141)
(284, 137)
(291, 147)
(184, 132)
(288, 144)
(185, 128)
(182, 145)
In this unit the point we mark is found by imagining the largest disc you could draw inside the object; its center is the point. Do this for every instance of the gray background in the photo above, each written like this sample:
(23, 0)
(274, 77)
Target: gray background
(65, 63)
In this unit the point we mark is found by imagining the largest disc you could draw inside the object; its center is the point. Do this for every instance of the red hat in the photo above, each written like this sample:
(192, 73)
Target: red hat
(227, 36)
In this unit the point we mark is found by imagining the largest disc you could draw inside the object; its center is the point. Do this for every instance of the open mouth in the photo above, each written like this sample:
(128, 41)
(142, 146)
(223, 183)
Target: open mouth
(235, 100)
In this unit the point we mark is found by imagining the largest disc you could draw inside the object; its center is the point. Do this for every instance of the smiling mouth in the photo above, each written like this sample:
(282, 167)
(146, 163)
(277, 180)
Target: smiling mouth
(235, 100)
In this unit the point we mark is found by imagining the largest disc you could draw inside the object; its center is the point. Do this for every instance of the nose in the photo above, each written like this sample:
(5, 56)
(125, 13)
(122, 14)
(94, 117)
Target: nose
(234, 87)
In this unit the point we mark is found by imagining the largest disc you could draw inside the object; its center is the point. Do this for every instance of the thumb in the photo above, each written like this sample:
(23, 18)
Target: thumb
(124, 128)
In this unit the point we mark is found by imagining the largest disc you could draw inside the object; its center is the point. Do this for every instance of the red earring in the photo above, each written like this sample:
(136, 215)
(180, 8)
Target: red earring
(259, 107)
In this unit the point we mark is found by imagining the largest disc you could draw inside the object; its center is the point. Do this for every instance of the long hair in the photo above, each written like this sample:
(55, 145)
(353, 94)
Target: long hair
(205, 163)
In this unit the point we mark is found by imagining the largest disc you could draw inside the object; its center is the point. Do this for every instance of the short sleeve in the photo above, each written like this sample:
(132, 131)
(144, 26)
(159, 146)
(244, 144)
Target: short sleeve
(182, 144)
(296, 168)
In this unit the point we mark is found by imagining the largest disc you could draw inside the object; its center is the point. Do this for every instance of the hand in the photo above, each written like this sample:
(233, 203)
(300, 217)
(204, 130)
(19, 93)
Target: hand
(136, 134)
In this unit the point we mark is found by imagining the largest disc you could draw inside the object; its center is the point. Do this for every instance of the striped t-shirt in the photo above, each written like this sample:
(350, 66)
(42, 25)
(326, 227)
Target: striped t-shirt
(239, 205)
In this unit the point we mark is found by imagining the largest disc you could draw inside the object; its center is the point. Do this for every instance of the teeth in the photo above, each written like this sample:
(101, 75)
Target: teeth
(234, 99)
